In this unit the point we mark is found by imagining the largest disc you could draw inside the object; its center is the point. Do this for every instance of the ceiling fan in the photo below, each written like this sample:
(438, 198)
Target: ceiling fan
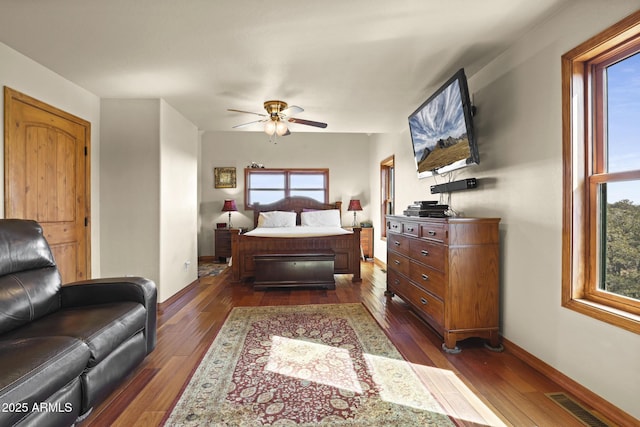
(278, 114)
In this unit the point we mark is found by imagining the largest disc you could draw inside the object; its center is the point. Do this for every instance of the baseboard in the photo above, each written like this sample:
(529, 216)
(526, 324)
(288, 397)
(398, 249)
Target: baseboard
(207, 258)
(596, 402)
(175, 297)
(382, 265)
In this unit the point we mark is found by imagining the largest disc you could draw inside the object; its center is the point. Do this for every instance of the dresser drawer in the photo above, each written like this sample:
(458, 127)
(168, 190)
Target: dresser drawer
(398, 262)
(397, 283)
(411, 229)
(434, 231)
(398, 243)
(429, 253)
(427, 278)
(394, 226)
(425, 303)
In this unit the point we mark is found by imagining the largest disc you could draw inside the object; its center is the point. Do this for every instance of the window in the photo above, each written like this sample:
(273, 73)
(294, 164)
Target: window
(270, 185)
(601, 160)
(387, 198)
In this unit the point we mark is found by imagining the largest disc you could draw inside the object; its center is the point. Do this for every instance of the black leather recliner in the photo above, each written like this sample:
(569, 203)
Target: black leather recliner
(63, 349)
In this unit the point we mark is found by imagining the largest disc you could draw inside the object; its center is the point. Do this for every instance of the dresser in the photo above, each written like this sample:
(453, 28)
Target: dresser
(447, 270)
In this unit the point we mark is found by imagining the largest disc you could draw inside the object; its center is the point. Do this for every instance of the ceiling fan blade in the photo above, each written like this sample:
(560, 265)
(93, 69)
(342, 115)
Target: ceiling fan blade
(246, 112)
(247, 124)
(307, 122)
(291, 110)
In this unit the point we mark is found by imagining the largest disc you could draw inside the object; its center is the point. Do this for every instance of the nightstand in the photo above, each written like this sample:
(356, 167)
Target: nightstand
(366, 242)
(223, 242)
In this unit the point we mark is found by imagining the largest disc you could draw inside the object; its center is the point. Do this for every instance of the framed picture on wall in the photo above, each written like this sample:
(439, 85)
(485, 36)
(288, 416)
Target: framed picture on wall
(224, 177)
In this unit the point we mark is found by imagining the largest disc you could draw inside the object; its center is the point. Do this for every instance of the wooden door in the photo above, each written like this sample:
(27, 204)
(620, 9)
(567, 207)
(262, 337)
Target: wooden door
(47, 176)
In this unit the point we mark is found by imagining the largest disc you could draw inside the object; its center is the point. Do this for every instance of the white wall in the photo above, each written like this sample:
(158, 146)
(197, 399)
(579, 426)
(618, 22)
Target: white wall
(149, 188)
(519, 126)
(178, 201)
(130, 188)
(346, 156)
(24, 75)
(407, 186)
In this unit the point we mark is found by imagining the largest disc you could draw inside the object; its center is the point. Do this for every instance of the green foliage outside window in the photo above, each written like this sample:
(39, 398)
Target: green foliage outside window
(623, 249)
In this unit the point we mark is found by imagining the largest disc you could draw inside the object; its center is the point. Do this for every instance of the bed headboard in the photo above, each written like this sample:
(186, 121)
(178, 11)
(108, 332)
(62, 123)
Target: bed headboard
(292, 204)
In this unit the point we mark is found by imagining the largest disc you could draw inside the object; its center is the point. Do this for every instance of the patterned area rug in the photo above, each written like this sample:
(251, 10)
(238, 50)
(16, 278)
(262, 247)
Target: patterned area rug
(206, 268)
(305, 365)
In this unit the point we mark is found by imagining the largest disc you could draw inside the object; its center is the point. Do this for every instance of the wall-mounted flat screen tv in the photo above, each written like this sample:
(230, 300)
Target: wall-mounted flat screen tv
(442, 129)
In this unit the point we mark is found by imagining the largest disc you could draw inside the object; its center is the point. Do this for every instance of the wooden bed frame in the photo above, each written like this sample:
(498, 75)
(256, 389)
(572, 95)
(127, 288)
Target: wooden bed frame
(346, 246)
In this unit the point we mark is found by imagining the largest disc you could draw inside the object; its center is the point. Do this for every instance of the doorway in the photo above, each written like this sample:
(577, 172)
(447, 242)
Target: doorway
(387, 192)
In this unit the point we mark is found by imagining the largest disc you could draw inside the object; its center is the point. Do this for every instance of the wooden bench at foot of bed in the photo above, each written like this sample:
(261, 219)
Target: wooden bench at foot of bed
(292, 270)
(346, 247)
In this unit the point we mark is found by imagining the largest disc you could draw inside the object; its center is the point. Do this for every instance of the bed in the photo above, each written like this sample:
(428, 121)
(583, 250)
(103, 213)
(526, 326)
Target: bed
(245, 247)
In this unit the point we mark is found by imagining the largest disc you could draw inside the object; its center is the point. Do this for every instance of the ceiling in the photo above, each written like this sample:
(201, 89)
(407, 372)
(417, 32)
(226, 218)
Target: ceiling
(358, 65)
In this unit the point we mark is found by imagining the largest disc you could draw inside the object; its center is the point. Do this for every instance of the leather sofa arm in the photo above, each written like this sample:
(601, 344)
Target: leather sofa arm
(115, 289)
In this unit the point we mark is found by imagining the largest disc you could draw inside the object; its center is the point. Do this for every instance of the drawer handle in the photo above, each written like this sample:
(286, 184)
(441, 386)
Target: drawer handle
(409, 228)
(424, 253)
(425, 277)
(395, 242)
(394, 225)
(431, 233)
(397, 281)
(396, 262)
(424, 301)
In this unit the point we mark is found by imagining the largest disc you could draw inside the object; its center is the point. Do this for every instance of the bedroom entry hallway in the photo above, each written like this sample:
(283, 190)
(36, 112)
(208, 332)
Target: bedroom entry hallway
(189, 322)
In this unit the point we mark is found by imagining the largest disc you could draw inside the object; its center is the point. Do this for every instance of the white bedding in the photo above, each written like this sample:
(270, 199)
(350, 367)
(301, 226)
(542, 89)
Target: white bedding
(299, 231)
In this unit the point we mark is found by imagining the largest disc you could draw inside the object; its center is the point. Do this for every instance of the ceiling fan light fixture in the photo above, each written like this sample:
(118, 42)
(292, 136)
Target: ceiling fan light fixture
(281, 128)
(270, 127)
(276, 121)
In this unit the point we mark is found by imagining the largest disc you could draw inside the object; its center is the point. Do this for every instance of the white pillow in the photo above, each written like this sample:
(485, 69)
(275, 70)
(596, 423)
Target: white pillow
(325, 218)
(274, 219)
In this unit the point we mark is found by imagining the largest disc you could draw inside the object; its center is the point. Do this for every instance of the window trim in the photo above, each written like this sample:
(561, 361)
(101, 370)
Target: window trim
(580, 183)
(287, 172)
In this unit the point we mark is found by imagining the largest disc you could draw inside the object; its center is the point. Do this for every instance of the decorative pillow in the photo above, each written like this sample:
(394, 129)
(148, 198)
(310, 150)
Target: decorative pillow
(274, 219)
(326, 218)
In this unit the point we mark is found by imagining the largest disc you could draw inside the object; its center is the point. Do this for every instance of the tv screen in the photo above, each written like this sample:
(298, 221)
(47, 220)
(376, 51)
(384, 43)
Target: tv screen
(442, 129)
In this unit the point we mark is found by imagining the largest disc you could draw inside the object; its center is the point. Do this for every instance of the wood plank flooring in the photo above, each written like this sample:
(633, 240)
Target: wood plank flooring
(189, 322)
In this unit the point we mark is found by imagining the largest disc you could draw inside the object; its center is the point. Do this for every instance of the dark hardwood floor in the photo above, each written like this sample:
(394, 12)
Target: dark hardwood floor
(189, 322)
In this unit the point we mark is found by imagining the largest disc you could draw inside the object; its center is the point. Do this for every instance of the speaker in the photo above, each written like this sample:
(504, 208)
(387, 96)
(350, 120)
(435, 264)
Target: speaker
(463, 184)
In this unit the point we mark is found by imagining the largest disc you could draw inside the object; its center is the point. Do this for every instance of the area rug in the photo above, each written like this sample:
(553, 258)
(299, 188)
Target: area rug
(206, 268)
(305, 365)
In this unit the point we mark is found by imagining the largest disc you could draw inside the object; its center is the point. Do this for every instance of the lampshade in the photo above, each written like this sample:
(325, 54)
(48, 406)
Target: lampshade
(229, 206)
(270, 127)
(277, 127)
(354, 205)
(281, 128)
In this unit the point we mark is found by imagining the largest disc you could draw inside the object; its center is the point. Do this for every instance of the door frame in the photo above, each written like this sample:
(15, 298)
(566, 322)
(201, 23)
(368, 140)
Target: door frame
(12, 96)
